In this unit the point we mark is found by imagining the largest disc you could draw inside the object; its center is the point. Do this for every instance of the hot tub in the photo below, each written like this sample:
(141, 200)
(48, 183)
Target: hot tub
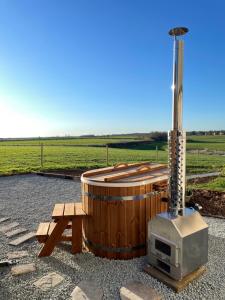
(119, 202)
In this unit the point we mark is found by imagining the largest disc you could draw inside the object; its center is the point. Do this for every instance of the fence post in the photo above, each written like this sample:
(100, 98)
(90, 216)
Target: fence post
(42, 146)
(157, 154)
(107, 155)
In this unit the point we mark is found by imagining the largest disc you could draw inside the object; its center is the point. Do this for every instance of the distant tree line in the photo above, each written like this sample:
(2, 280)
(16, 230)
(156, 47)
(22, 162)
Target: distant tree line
(158, 136)
(162, 136)
(209, 132)
(144, 136)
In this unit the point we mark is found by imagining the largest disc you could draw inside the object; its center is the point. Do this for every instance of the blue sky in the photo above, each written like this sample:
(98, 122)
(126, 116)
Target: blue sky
(105, 66)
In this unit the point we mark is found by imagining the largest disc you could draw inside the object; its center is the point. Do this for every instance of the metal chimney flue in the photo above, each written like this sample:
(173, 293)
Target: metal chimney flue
(177, 136)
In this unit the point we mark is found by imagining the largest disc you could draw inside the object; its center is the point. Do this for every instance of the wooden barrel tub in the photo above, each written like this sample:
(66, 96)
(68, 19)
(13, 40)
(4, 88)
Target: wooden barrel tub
(119, 201)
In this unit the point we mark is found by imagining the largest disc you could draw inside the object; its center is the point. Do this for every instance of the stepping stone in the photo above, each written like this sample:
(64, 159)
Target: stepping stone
(23, 239)
(138, 291)
(17, 254)
(15, 232)
(23, 269)
(8, 227)
(3, 219)
(49, 281)
(88, 290)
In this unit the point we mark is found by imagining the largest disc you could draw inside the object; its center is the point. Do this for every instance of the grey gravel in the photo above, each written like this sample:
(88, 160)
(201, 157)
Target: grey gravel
(29, 199)
(216, 227)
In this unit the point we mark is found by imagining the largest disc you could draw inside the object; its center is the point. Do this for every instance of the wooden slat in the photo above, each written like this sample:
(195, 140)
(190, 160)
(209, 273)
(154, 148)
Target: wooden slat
(103, 224)
(122, 175)
(148, 188)
(58, 210)
(69, 209)
(78, 210)
(152, 177)
(42, 229)
(142, 221)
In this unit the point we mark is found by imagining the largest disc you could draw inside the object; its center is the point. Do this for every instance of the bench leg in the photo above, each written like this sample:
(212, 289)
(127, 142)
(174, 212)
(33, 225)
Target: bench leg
(54, 238)
(76, 235)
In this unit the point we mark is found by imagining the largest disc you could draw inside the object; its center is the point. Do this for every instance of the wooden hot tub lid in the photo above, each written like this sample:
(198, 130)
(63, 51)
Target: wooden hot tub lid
(126, 173)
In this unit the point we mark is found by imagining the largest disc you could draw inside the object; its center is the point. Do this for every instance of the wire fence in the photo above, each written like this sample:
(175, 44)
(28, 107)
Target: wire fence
(26, 158)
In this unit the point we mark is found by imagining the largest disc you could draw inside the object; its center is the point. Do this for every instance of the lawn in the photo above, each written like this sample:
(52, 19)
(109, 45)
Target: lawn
(26, 157)
(217, 184)
(209, 142)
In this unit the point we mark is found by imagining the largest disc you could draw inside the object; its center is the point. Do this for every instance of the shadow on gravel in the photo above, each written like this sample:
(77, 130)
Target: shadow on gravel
(64, 268)
(65, 247)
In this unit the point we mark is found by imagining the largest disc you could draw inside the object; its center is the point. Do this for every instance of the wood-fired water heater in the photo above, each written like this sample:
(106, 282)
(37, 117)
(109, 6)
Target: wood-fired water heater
(177, 239)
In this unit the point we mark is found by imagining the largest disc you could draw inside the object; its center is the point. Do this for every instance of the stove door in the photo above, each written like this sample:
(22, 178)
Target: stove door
(165, 250)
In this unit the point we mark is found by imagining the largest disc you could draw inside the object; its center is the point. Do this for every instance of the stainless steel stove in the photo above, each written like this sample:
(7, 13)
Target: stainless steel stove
(177, 240)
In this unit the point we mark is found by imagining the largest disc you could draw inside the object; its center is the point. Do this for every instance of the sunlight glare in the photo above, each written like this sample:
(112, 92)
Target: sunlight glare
(17, 124)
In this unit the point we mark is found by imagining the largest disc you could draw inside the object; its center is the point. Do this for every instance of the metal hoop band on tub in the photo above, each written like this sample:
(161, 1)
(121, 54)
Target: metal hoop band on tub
(121, 198)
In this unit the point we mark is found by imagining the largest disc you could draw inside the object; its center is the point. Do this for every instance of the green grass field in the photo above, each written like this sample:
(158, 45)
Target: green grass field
(26, 157)
(217, 184)
(209, 142)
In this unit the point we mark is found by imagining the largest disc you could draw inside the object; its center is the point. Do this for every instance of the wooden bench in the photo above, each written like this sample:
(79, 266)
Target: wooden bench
(65, 215)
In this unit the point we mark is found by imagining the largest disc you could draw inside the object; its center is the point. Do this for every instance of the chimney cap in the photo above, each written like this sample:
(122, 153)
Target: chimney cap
(178, 31)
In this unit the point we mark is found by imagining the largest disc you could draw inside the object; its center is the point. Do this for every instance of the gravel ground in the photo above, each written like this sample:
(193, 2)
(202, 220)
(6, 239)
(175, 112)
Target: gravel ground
(29, 199)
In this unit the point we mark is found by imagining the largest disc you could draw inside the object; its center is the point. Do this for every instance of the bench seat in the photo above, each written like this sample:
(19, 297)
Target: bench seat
(44, 230)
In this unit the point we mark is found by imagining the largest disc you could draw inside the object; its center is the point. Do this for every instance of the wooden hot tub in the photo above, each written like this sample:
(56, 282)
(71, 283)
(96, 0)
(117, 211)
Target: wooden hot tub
(119, 202)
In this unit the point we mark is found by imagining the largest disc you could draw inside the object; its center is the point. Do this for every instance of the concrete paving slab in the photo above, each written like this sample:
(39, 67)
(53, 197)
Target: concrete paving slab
(23, 269)
(4, 219)
(88, 290)
(15, 232)
(49, 281)
(17, 254)
(138, 291)
(8, 227)
(23, 239)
